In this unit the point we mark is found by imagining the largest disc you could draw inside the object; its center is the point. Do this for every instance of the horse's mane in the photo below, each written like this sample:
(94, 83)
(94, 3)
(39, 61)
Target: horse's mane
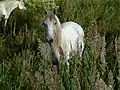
(58, 35)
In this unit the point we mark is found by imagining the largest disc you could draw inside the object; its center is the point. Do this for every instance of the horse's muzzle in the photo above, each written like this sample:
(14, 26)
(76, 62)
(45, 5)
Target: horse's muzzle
(49, 40)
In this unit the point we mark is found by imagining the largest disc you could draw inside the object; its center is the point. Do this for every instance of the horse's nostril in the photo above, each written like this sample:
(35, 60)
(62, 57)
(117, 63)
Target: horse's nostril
(49, 41)
(46, 40)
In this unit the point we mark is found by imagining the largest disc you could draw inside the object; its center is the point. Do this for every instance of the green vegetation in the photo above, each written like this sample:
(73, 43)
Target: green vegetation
(25, 58)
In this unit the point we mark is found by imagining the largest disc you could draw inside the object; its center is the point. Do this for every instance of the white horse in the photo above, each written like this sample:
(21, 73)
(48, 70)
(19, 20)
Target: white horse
(64, 39)
(6, 7)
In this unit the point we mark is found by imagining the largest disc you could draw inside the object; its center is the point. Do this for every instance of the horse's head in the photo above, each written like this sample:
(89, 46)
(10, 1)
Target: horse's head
(50, 24)
(21, 5)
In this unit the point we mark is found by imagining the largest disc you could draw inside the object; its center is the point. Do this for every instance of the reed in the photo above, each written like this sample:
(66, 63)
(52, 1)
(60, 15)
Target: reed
(25, 61)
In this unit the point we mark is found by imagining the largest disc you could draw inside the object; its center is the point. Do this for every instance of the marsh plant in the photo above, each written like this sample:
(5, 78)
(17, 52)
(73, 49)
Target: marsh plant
(25, 57)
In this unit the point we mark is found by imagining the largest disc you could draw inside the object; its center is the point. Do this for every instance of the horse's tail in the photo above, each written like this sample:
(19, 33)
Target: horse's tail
(81, 42)
(81, 48)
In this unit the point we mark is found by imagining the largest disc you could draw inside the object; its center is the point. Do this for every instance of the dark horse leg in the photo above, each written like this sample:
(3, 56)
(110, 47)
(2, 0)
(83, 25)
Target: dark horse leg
(56, 63)
(0, 26)
(54, 58)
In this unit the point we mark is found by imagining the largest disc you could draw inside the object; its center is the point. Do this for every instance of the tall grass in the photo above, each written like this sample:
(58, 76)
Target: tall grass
(25, 58)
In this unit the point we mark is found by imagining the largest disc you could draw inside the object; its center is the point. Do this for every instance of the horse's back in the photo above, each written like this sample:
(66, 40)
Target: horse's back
(72, 28)
(72, 35)
(7, 6)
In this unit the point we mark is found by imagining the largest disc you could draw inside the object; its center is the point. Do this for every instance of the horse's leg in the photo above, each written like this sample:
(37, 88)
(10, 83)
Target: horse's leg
(6, 18)
(0, 26)
(5, 22)
(67, 58)
(6, 31)
(56, 59)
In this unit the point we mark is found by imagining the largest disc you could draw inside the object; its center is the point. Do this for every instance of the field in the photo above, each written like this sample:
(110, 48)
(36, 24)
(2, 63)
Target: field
(25, 57)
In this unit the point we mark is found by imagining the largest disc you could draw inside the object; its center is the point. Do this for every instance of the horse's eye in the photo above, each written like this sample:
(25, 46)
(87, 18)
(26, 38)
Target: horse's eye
(55, 23)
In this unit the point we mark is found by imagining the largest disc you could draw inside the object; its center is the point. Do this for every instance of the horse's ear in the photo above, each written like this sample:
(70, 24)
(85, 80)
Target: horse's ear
(54, 11)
